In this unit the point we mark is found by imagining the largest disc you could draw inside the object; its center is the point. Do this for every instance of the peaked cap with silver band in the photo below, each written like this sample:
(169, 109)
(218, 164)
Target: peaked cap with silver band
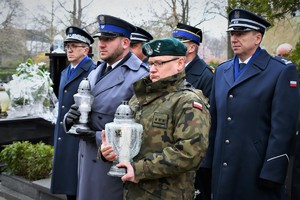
(140, 35)
(241, 20)
(75, 34)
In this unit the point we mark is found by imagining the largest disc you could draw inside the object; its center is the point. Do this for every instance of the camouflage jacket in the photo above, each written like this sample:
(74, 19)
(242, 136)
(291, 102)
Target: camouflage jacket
(176, 123)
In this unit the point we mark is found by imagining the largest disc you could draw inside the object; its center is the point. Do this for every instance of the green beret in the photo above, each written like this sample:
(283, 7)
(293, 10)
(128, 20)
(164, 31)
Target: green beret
(164, 47)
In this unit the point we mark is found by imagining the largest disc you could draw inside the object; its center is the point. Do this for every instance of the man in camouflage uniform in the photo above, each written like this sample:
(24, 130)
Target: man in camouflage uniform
(175, 122)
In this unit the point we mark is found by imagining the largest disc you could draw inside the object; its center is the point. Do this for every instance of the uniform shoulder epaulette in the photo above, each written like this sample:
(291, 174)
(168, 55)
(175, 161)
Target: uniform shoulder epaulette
(282, 60)
(145, 66)
(225, 61)
(211, 68)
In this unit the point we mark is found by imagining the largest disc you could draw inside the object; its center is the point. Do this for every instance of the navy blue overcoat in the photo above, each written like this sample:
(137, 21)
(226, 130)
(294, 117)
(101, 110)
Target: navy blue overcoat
(199, 74)
(253, 124)
(64, 172)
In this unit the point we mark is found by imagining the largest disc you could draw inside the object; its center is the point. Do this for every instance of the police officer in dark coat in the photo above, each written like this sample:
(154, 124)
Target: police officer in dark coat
(64, 172)
(198, 73)
(254, 106)
(137, 40)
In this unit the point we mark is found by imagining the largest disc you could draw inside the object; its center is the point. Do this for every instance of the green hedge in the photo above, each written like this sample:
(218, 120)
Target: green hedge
(6, 73)
(31, 161)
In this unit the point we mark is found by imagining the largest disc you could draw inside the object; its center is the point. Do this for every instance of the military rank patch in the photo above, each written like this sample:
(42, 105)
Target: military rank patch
(197, 105)
(160, 120)
(293, 83)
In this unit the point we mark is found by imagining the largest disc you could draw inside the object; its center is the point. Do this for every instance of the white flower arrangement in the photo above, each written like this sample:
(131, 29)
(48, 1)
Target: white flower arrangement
(31, 91)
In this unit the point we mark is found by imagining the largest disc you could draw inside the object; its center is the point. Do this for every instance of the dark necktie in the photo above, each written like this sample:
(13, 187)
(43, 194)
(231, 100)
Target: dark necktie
(241, 65)
(108, 68)
(71, 72)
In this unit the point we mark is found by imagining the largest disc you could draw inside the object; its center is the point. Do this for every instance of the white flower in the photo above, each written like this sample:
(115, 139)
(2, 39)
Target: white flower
(31, 85)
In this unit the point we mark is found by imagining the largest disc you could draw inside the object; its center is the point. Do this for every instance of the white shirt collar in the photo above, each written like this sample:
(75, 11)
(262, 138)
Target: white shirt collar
(246, 61)
(115, 64)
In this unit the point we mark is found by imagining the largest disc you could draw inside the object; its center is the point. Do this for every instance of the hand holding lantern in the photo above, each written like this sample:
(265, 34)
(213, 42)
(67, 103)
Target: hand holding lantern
(83, 100)
(125, 135)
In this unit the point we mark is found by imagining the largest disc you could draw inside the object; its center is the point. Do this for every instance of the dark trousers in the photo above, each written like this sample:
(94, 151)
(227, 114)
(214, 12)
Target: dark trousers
(293, 175)
(71, 197)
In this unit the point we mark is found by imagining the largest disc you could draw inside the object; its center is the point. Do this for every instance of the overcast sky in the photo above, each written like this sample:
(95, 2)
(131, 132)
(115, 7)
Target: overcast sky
(136, 11)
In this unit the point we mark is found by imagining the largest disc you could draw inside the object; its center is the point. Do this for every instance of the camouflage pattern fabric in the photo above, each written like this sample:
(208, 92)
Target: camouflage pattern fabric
(176, 123)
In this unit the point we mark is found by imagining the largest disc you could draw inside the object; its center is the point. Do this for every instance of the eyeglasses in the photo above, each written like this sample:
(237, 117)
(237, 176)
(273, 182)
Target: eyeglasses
(160, 63)
(74, 46)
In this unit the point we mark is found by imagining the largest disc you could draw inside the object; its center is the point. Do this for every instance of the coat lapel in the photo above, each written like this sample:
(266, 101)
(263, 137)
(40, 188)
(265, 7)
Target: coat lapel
(250, 72)
(259, 64)
(228, 74)
(83, 67)
(110, 80)
(195, 69)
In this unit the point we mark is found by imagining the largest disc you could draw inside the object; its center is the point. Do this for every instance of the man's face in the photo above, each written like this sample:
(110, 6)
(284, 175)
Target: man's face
(284, 50)
(164, 66)
(136, 48)
(244, 44)
(76, 51)
(111, 49)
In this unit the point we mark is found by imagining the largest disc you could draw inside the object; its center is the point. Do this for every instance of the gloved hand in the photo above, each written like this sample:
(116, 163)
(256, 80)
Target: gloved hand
(87, 135)
(268, 185)
(72, 116)
(203, 183)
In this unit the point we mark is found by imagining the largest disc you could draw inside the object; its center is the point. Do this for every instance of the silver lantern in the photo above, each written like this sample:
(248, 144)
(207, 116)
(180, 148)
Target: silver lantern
(125, 135)
(84, 100)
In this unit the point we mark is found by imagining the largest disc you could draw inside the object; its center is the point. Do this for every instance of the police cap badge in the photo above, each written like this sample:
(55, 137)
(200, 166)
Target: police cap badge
(241, 20)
